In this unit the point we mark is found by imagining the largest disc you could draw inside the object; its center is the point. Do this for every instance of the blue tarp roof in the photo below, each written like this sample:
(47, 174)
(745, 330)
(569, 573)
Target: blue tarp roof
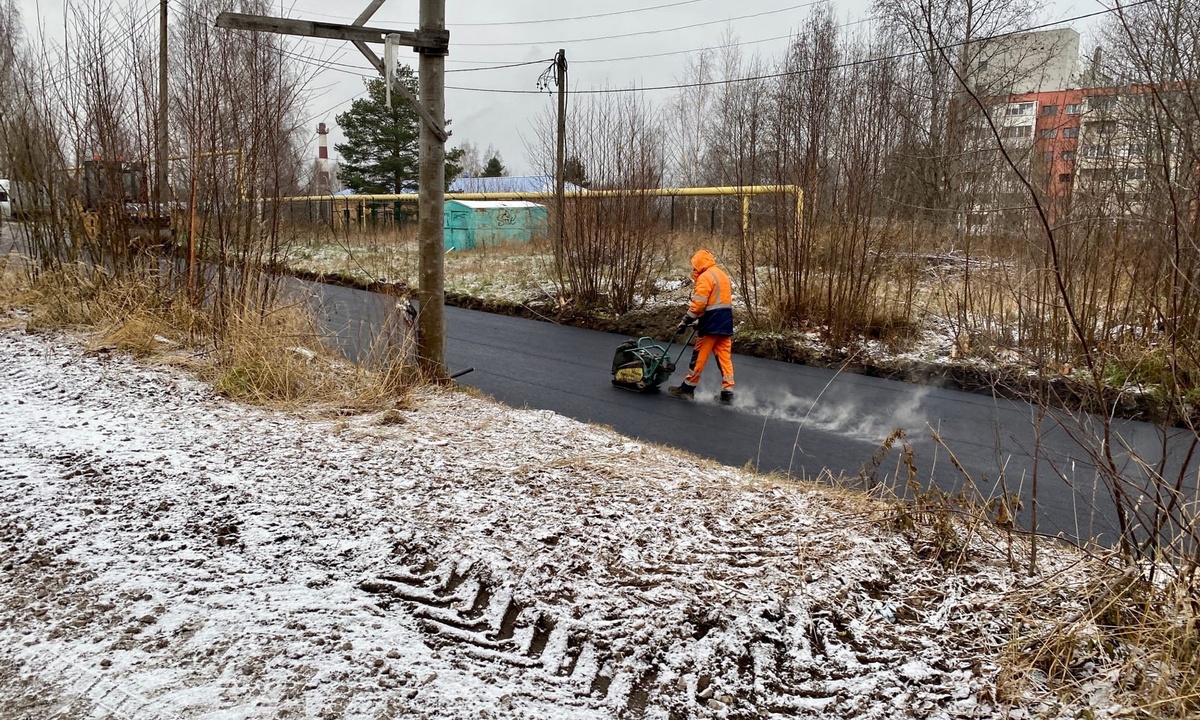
(519, 184)
(407, 187)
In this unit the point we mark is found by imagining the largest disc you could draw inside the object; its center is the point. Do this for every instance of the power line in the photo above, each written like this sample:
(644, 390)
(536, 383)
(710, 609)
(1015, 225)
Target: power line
(314, 62)
(326, 112)
(669, 53)
(70, 72)
(652, 55)
(329, 65)
(506, 23)
(704, 49)
(579, 17)
(502, 67)
(643, 32)
(357, 70)
(498, 64)
(790, 73)
(487, 62)
(678, 52)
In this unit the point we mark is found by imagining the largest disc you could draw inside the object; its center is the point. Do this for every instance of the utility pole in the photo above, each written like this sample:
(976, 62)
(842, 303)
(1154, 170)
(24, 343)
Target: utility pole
(432, 41)
(163, 192)
(431, 290)
(560, 236)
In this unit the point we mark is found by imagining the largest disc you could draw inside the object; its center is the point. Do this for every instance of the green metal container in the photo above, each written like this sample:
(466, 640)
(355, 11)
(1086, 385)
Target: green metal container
(471, 224)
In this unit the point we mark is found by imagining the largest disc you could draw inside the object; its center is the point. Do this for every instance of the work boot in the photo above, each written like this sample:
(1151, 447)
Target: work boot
(726, 397)
(684, 391)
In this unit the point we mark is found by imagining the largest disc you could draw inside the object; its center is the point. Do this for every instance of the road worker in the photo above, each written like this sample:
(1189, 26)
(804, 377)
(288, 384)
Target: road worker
(711, 311)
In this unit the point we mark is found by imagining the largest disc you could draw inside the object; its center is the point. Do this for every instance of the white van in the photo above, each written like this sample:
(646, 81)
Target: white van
(5, 203)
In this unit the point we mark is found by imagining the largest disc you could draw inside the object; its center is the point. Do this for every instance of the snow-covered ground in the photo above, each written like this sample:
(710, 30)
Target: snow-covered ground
(168, 553)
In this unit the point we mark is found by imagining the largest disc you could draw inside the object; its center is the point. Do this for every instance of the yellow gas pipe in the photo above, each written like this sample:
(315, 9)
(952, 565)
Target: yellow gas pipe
(744, 192)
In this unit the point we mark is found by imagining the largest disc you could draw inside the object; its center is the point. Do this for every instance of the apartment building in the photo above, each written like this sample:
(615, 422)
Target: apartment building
(1075, 140)
(1023, 63)
(1046, 127)
(1082, 144)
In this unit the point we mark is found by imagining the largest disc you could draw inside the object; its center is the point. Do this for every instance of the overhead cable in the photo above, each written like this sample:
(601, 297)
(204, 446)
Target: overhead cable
(807, 71)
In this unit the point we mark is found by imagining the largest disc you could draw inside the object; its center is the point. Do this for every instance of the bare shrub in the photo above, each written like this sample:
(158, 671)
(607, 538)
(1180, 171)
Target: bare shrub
(614, 250)
(80, 142)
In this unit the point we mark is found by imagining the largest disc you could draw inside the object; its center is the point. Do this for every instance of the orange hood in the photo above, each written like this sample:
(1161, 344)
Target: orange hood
(701, 261)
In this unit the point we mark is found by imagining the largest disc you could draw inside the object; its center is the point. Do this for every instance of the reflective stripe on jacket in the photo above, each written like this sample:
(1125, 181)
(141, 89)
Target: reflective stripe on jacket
(712, 296)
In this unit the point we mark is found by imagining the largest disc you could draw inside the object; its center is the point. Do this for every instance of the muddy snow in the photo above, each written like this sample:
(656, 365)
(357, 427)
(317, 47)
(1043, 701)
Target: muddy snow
(167, 553)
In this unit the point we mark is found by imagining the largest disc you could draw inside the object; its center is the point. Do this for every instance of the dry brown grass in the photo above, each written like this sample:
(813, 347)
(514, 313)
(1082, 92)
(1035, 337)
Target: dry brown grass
(511, 271)
(274, 356)
(1141, 639)
(277, 357)
(928, 296)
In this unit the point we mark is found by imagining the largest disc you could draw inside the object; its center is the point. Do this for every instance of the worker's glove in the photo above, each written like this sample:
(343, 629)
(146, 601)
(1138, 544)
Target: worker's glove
(685, 324)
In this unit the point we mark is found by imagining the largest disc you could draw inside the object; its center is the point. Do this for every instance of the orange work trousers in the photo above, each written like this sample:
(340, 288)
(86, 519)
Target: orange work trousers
(707, 345)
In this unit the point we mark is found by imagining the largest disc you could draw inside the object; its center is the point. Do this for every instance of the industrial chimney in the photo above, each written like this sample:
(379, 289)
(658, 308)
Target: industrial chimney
(323, 184)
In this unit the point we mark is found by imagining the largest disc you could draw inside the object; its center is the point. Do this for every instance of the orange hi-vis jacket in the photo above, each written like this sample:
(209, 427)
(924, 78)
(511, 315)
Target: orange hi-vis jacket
(712, 297)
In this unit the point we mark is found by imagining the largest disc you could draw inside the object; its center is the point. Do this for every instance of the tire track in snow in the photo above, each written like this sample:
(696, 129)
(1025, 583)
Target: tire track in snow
(461, 606)
(62, 456)
(114, 698)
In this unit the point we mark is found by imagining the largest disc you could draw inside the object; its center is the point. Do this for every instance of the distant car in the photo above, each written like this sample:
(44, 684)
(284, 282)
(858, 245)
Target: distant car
(5, 204)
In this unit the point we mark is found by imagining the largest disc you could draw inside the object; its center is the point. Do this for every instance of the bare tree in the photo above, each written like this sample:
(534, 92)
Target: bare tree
(472, 161)
(86, 124)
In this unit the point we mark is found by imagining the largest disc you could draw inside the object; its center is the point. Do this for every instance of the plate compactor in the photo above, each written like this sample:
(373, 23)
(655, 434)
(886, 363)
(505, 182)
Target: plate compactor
(643, 365)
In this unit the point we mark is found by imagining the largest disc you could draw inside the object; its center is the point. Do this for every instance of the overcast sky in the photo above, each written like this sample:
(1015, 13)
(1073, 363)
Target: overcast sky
(490, 32)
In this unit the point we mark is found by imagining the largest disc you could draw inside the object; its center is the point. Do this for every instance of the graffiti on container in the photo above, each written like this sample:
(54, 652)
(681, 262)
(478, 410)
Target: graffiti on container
(504, 217)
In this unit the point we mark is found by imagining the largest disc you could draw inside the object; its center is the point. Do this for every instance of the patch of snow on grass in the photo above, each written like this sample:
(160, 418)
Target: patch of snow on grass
(169, 553)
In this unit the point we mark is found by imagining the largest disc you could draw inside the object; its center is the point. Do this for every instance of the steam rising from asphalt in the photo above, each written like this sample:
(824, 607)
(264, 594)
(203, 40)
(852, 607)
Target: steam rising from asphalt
(869, 422)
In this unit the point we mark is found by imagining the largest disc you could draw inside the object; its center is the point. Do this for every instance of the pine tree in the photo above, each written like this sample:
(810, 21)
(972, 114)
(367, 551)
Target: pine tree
(494, 167)
(575, 172)
(380, 154)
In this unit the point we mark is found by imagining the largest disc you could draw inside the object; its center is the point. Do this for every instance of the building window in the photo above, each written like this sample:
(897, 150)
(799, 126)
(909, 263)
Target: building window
(1067, 156)
(1020, 109)
(1098, 175)
(1101, 104)
(1137, 149)
(1105, 127)
(1048, 156)
(982, 65)
(1049, 109)
(1070, 132)
(1074, 109)
(1048, 134)
(1017, 131)
(1065, 177)
(1135, 174)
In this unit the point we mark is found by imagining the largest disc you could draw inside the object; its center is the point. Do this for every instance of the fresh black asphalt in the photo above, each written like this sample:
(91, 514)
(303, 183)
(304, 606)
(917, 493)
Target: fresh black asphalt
(788, 419)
